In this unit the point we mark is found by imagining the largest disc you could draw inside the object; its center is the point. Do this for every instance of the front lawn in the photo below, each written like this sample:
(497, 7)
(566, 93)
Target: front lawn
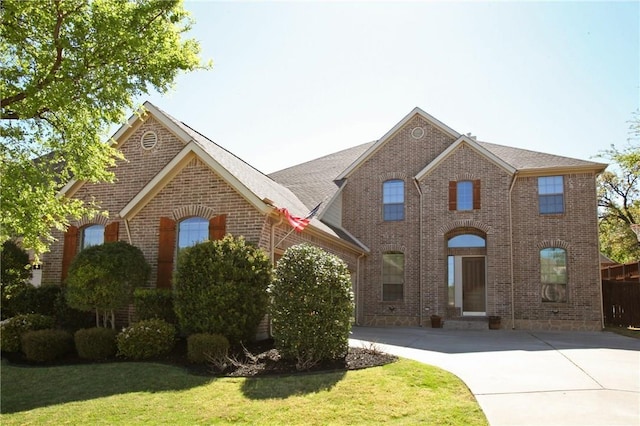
(404, 392)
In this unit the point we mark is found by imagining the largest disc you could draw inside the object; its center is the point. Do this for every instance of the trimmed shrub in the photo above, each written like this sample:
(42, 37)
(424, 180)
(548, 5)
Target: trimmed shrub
(35, 300)
(12, 329)
(146, 339)
(46, 345)
(202, 347)
(220, 287)
(312, 306)
(69, 318)
(95, 343)
(155, 303)
(102, 278)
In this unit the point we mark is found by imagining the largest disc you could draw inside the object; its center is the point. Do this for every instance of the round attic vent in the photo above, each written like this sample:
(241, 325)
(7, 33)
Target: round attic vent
(149, 140)
(417, 132)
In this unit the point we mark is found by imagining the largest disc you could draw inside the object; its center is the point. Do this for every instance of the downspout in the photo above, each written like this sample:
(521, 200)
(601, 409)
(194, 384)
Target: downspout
(598, 262)
(126, 226)
(420, 269)
(513, 308)
(357, 292)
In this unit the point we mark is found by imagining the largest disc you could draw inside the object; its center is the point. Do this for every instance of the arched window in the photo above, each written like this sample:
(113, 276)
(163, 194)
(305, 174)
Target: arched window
(192, 231)
(466, 241)
(393, 200)
(553, 274)
(92, 235)
(392, 276)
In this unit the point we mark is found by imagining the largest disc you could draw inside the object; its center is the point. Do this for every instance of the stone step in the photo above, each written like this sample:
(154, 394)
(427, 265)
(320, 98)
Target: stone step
(466, 324)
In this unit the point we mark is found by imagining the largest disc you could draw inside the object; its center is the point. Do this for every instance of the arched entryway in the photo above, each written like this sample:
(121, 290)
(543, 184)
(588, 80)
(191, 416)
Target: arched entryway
(466, 272)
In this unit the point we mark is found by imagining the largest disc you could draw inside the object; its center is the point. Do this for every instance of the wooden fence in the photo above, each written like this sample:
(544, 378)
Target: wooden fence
(626, 272)
(621, 303)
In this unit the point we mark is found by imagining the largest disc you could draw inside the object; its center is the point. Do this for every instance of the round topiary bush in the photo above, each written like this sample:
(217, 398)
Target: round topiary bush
(220, 287)
(146, 339)
(205, 347)
(312, 306)
(95, 343)
(102, 279)
(12, 329)
(46, 345)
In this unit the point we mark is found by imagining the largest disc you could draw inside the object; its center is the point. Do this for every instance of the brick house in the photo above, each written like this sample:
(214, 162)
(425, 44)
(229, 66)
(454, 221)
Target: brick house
(428, 220)
(462, 228)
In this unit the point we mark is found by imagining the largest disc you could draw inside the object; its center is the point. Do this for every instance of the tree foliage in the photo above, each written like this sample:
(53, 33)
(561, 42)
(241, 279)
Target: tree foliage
(619, 199)
(70, 69)
(104, 277)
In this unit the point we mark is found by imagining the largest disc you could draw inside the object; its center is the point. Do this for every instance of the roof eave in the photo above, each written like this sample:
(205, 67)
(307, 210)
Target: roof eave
(188, 153)
(473, 145)
(595, 168)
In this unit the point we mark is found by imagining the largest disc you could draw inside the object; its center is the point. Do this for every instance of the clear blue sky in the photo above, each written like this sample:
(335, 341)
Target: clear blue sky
(293, 81)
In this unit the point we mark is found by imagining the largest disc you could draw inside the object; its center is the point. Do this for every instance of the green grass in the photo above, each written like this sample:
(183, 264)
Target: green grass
(404, 392)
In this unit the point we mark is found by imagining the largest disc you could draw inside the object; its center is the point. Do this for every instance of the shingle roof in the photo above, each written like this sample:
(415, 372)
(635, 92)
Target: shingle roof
(523, 159)
(255, 181)
(313, 181)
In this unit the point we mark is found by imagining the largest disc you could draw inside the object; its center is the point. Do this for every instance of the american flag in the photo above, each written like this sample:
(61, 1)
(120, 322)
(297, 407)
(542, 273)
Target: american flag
(299, 223)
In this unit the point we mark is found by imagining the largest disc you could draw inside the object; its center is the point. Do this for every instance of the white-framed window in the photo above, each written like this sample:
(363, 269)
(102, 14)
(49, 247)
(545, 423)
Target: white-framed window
(392, 276)
(553, 274)
(551, 194)
(192, 231)
(92, 235)
(393, 200)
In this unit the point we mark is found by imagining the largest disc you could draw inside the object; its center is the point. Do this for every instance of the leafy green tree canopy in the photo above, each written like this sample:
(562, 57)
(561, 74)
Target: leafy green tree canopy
(70, 69)
(619, 199)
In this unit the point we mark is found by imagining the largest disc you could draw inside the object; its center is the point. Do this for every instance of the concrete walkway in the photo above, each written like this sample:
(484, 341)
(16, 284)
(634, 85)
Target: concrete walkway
(530, 377)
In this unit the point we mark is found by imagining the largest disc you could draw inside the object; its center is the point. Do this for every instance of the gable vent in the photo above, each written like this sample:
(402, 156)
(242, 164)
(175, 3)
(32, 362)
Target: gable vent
(149, 140)
(417, 132)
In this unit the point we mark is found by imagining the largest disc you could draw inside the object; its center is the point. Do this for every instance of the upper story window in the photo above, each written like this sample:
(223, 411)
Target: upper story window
(464, 195)
(392, 276)
(92, 235)
(192, 231)
(553, 274)
(393, 200)
(551, 194)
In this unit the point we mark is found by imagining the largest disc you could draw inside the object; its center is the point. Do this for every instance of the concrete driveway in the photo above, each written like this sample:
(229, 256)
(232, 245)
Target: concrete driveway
(530, 377)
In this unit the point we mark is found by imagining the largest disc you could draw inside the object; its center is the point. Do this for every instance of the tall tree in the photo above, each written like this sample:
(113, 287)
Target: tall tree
(619, 199)
(70, 69)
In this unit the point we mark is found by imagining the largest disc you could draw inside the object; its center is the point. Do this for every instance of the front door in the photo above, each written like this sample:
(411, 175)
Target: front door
(473, 286)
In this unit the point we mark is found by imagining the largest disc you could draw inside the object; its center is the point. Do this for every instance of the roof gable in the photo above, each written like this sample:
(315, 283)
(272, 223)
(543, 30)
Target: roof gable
(380, 143)
(466, 141)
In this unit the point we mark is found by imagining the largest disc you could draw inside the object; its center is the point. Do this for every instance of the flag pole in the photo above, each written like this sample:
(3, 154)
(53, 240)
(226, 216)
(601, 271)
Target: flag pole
(285, 237)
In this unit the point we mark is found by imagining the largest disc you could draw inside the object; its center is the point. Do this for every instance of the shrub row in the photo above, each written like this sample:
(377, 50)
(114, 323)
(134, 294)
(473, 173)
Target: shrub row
(39, 341)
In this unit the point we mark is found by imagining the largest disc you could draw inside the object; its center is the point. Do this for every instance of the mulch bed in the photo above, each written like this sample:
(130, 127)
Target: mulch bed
(256, 359)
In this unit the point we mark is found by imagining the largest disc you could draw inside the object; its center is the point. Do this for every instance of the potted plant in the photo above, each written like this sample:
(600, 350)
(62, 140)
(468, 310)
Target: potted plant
(494, 322)
(436, 321)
